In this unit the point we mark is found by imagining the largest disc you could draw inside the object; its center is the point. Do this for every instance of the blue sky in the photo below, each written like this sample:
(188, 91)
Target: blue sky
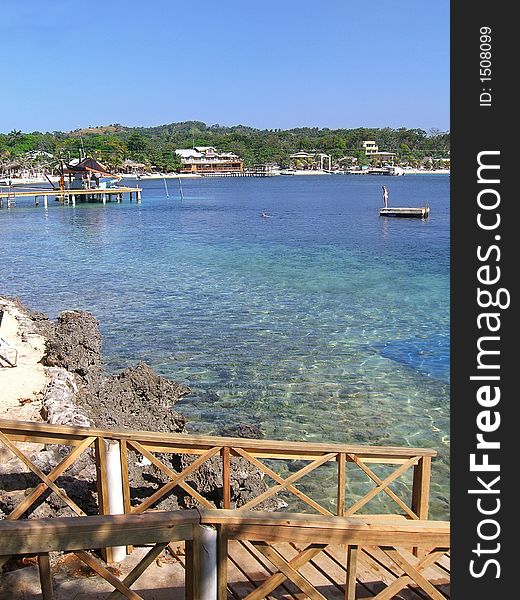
(267, 64)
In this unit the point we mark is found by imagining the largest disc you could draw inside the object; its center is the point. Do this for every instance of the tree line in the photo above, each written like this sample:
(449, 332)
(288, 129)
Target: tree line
(155, 146)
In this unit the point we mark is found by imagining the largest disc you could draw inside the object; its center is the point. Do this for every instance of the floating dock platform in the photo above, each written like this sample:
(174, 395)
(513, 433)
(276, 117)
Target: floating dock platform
(102, 195)
(421, 212)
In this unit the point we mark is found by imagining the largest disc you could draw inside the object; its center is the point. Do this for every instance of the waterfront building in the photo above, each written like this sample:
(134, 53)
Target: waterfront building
(207, 159)
(370, 147)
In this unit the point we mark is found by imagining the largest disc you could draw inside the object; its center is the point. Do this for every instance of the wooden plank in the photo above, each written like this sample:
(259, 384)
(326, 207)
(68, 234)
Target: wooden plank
(350, 585)
(123, 450)
(72, 533)
(342, 483)
(40, 474)
(421, 490)
(53, 475)
(281, 480)
(365, 576)
(226, 477)
(421, 487)
(196, 564)
(222, 562)
(124, 473)
(101, 570)
(393, 525)
(188, 567)
(45, 572)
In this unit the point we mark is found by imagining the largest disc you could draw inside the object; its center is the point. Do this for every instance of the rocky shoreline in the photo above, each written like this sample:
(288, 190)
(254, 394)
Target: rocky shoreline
(79, 392)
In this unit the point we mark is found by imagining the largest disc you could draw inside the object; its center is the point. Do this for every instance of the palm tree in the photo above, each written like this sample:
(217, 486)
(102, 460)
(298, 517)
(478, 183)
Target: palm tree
(13, 136)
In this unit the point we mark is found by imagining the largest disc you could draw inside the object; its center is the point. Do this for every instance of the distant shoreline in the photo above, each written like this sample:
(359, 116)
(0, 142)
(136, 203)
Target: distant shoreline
(55, 179)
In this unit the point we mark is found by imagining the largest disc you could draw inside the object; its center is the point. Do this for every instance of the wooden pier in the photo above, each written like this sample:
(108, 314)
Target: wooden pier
(421, 212)
(44, 195)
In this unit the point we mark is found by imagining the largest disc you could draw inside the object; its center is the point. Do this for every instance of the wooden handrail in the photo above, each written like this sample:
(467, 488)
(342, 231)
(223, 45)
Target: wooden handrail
(304, 528)
(77, 533)
(261, 530)
(97, 531)
(29, 431)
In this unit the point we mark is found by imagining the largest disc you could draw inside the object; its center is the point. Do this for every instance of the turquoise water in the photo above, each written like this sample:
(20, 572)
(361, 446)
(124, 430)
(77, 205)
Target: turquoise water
(323, 322)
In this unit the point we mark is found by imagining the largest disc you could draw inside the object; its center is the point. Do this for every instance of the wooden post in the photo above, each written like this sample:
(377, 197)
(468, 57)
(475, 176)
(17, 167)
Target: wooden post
(44, 568)
(126, 483)
(350, 585)
(342, 474)
(222, 562)
(226, 477)
(421, 490)
(421, 487)
(188, 569)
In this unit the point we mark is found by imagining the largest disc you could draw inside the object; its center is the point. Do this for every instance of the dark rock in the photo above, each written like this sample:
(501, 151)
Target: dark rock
(76, 346)
(136, 398)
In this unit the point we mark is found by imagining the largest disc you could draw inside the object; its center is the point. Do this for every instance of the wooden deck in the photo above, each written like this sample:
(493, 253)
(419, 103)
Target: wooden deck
(248, 568)
(421, 212)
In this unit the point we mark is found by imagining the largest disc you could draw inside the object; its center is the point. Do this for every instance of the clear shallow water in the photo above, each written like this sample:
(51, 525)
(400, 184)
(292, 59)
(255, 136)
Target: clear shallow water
(324, 322)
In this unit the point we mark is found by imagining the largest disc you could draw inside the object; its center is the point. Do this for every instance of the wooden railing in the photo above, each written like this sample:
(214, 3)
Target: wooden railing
(344, 539)
(364, 460)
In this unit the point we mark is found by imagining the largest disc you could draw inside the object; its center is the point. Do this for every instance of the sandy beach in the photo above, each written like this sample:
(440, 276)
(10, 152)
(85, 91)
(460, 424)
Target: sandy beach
(303, 172)
(21, 386)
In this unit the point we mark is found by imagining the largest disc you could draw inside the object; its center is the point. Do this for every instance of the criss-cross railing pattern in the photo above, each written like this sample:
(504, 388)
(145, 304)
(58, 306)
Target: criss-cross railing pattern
(410, 546)
(154, 447)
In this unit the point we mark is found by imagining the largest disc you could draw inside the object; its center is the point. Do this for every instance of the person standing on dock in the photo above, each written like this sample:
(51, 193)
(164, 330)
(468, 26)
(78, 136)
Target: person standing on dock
(385, 196)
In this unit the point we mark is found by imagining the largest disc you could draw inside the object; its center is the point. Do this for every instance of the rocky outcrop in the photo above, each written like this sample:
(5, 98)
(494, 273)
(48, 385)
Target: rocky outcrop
(75, 345)
(79, 393)
(137, 398)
